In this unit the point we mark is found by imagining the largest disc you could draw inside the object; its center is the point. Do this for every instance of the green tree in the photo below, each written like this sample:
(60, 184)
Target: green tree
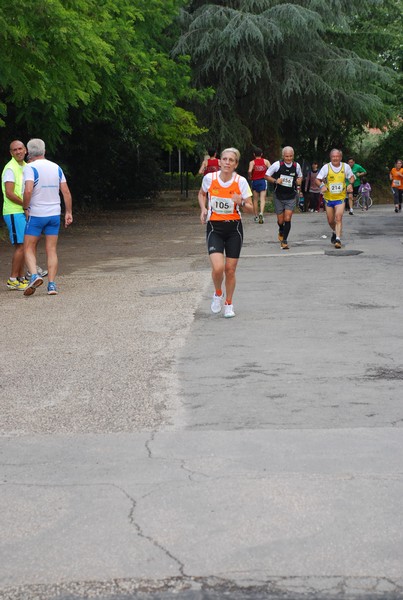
(376, 34)
(96, 80)
(106, 60)
(280, 71)
(383, 156)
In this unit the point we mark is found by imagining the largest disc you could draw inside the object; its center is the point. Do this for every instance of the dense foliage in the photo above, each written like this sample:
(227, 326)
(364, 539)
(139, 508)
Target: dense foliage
(85, 73)
(292, 72)
(384, 155)
(107, 58)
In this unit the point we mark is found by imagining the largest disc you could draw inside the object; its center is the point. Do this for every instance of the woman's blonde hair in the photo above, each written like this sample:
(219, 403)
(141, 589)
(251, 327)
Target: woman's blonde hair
(234, 151)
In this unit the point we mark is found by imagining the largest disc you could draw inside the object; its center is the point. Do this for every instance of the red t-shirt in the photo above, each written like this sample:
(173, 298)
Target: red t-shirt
(212, 166)
(259, 169)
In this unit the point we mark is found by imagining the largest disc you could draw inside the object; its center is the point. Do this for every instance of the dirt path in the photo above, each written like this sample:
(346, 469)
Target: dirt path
(98, 357)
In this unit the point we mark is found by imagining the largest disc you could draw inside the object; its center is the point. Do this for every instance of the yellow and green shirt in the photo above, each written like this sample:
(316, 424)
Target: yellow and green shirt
(10, 207)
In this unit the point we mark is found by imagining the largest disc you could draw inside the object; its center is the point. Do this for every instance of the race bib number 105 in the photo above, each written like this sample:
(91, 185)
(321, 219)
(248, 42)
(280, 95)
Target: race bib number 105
(222, 206)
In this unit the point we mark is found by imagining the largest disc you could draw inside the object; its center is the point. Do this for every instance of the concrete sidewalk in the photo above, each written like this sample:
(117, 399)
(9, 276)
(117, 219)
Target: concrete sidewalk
(151, 449)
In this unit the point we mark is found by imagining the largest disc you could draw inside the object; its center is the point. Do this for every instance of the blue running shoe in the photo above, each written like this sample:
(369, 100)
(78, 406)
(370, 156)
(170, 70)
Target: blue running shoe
(35, 281)
(52, 289)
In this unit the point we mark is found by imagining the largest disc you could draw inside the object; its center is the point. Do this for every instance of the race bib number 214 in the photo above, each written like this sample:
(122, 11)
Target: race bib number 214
(335, 188)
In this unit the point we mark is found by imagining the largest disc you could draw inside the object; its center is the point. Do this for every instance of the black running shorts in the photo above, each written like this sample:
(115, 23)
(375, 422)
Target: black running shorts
(225, 236)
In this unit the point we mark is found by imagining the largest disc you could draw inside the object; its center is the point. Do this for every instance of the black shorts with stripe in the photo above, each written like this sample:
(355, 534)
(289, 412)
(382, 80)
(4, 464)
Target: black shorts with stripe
(225, 236)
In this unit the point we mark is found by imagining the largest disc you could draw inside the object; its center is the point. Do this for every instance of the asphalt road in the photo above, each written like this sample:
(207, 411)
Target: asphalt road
(152, 450)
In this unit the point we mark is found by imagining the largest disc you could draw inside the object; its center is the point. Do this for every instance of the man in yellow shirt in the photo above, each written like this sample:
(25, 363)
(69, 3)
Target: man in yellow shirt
(332, 182)
(13, 214)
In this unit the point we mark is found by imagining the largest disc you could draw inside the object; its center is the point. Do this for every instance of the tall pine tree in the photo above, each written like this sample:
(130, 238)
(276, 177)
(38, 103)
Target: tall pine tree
(281, 72)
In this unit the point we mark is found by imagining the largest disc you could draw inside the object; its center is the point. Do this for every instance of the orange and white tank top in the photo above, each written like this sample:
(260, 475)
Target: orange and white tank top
(221, 207)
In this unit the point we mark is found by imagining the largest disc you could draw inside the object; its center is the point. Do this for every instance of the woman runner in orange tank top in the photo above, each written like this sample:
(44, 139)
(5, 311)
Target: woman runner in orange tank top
(221, 197)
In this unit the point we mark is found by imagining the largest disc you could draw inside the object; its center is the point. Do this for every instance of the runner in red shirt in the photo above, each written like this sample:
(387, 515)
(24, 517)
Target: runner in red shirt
(210, 164)
(256, 172)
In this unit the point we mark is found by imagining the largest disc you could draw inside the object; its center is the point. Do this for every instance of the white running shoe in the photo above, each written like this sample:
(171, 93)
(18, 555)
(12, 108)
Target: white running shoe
(216, 303)
(229, 311)
(41, 272)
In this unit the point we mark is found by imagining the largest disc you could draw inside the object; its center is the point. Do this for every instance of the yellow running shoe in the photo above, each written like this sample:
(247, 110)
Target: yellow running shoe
(16, 285)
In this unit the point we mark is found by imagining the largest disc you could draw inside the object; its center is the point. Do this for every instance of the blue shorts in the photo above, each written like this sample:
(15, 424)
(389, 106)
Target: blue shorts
(46, 225)
(333, 203)
(16, 226)
(259, 185)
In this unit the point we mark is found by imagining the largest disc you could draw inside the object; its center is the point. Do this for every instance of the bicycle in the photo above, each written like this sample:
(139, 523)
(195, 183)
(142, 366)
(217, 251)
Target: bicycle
(359, 201)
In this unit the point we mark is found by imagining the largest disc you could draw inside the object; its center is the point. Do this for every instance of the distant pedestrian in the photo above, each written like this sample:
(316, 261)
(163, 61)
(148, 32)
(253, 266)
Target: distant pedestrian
(396, 178)
(303, 200)
(312, 190)
(365, 191)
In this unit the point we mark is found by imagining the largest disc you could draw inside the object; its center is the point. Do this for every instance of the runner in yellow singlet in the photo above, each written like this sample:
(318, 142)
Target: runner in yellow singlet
(332, 182)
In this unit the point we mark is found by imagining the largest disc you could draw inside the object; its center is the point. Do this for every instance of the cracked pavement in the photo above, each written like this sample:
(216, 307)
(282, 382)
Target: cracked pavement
(151, 450)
